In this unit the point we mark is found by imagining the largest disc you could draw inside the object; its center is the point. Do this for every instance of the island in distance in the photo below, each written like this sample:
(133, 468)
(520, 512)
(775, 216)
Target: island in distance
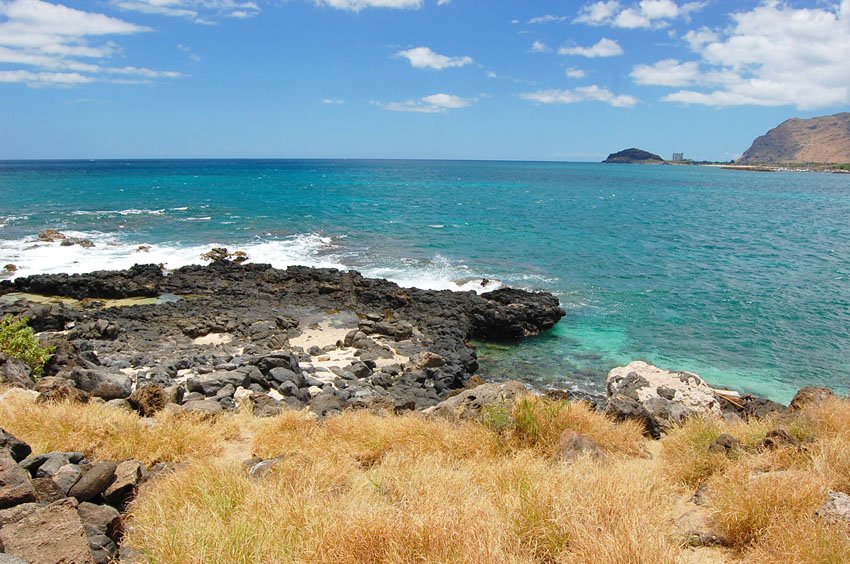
(633, 156)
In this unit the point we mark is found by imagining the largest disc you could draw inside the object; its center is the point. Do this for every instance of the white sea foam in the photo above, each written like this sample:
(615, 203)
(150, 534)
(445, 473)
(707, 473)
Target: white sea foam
(131, 211)
(113, 253)
(437, 274)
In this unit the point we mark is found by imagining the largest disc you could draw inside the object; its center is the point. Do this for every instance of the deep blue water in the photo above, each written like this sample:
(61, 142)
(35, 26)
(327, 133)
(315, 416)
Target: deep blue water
(741, 277)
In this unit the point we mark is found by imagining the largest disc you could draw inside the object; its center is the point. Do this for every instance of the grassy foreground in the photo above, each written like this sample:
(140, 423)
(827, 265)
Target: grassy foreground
(367, 488)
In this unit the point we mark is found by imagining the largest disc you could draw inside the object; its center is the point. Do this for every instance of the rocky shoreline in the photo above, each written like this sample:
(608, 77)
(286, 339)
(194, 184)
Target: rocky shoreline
(209, 336)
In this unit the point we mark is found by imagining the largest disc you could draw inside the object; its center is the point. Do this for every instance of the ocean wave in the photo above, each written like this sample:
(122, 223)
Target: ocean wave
(131, 211)
(309, 249)
(112, 253)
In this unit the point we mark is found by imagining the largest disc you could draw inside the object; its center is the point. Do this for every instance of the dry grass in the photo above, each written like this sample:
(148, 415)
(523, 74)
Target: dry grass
(103, 432)
(745, 505)
(803, 540)
(365, 488)
(430, 508)
(538, 422)
(687, 459)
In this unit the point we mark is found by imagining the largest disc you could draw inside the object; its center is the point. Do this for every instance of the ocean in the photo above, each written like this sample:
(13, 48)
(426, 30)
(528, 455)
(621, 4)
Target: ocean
(740, 277)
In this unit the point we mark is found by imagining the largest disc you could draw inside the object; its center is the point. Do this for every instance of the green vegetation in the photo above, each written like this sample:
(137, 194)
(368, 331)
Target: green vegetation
(17, 340)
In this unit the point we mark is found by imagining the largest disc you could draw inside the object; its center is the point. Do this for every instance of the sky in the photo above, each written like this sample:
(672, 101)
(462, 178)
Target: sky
(456, 79)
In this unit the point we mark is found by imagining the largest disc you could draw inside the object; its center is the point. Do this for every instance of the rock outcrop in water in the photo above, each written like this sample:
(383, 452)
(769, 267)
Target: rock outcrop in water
(302, 336)
(633, 156)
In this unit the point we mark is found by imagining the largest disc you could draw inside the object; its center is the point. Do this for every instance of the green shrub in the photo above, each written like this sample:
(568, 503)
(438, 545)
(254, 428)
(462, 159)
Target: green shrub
(17, 340)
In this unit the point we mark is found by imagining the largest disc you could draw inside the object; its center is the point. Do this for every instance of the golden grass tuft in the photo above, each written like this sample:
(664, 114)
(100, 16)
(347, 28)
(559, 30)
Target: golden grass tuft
(746, 505)
(687, 459)
(104, 432)
(538, 422)
(803, 540)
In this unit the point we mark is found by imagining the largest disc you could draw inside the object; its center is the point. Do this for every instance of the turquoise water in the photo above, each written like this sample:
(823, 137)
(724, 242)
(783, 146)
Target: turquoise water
(743, 278)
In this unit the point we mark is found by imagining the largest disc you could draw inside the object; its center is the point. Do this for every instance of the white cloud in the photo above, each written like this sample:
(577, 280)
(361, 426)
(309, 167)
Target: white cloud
(548, 18)
(590, 93)
(643, 14)
(199, 11)
(425, 58)
(357, 5)
(539, 47)
(598, 12)
(699, 38)
(332, 101)
(44, 78)
(62, 46)
(772, 55)
(668, 72)
(574, 73)
(603, 48)
(433, 104)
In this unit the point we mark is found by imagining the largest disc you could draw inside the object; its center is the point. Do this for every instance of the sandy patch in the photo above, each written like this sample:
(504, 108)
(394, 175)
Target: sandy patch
(214, 339)
(326, 333)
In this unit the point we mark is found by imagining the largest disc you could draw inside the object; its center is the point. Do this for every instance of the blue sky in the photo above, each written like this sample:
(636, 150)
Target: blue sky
(463, 79)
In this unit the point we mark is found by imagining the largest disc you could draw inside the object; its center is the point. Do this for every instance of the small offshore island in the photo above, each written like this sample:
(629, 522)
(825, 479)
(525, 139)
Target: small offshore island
(311, 384)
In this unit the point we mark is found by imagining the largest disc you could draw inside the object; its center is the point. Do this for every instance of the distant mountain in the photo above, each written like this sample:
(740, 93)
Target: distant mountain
(633, 156)
(824, 139)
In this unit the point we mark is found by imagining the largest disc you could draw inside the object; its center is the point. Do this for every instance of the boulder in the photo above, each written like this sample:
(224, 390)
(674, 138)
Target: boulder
(210, 384)
(204, 408)
(47, 464)
(103, 518)
(836, 508)
(15, 485)
(148, 400)
(17, 448)
(67, 476)
(263, 405)
(102, 383)
(128, 475)
(573, 445)
(809, 395)
(93, 482)
(15, 373)
(48, 535)
(47, 491)
(55, 389)
(50, 235)
(724, 444)
(469, 403)
(658, 398)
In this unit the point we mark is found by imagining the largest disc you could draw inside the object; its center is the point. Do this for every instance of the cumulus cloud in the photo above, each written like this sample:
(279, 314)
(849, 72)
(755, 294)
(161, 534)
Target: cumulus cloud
(357, 5)
(603, 48)
(332, 101)
(199, 11)
(548, 18)
(63, 46)
(574, 73)
(590, 93)
(433, 104)
(539, 47)
(425, 58)
(644, 14)
(668, 72)
(772, 55)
